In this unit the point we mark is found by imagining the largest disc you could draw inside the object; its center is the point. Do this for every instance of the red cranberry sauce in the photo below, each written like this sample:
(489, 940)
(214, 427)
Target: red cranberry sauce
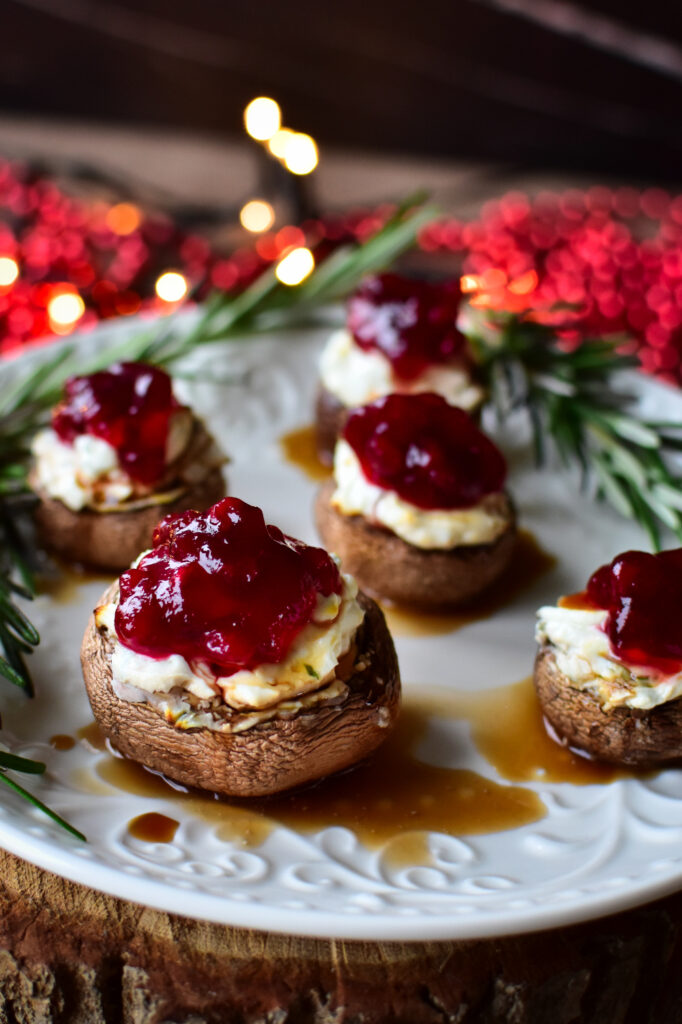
(642, 594)
(412, 323)
(129, 406)
(427, 451)
(223, 590)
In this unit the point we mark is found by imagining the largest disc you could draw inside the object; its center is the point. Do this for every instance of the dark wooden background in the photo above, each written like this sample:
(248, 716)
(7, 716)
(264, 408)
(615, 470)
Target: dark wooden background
(592, 85)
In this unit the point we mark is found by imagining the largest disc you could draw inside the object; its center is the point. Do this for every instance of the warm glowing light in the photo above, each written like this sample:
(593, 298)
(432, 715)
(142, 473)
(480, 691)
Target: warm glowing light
(300, 154)
(123, 218)
(65, 310)
(171, 286)
(257, 215)
(469, 283)
(279, 142)
(295, 266)
(493, 279)
(485, 300)
(262, 118)
(524, 284)
(9, 271)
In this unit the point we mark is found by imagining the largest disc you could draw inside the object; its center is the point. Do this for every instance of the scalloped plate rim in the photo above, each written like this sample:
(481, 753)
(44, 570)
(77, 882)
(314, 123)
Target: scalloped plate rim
(484, 921)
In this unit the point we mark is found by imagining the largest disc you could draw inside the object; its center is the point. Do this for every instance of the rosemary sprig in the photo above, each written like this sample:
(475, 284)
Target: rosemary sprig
(18, 636)
(40, 805)
(266, 305)
(570, 398)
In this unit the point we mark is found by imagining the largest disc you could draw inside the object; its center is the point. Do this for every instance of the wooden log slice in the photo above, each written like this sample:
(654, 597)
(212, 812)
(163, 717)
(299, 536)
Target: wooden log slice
(70, 955)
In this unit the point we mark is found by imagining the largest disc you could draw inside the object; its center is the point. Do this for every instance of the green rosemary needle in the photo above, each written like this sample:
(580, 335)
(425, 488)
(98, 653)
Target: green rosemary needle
(570, 398)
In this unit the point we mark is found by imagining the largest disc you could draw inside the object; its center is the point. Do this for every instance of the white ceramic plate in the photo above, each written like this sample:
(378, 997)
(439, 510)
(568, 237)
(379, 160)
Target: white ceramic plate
(599, 849)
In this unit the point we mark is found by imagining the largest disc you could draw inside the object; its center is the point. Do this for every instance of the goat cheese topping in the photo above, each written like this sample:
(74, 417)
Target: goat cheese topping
(356, 376)
(309, 665)
(583, 654)
(424, 528)
(81, 474)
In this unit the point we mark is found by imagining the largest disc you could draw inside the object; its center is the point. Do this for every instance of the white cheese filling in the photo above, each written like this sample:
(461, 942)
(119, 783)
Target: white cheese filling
(309, 666)
(424, 528)
(75, 473)
(357, 377)
(176, 709)
(583, 654)
(87, 473)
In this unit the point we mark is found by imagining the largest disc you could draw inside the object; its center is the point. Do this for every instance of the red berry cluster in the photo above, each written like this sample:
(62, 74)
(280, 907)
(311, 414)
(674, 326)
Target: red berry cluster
(109, 256)
(617, 254)
(242, 590)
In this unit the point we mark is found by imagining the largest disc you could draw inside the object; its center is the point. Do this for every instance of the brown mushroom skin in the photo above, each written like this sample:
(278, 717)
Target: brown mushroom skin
(623, 736)
(330, 416)
(271, 757)
(391, 569)
(112, 540)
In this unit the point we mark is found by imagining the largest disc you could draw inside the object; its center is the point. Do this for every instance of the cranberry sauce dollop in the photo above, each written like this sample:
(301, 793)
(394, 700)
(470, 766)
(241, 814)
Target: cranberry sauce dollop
(427, 451)
(643, 595)
(412, 323)
(129, 406)
(222, 589)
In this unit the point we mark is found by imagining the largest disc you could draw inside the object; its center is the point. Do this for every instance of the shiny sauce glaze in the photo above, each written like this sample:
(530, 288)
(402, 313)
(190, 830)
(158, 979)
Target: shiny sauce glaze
(153, 827)
(129, 406)
(386, 799)
(396, 796)
(410, 322)
(427, 451)
(62, 741)
(642, 594)
(299, 447)
(222, 589)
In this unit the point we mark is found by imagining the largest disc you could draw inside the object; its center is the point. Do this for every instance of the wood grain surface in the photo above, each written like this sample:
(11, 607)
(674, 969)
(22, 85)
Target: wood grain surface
(69, 954)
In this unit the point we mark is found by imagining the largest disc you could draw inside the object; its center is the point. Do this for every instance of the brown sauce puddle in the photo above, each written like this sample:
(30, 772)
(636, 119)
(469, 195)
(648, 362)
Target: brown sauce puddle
(63, 584)
(508, 730)
(394, 799)
(153, 828)
(299, 448)
(61, 741)
(93, 736)
(528, 563)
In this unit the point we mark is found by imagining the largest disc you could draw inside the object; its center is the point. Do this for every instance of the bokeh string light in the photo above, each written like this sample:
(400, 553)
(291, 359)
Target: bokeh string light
(171, 286)
(257, 216)
(279, 142)
(65, 309)
(300, 153)
(295, 266)
(9, 271)
(297, 154)
(296, 150)
(616, 254)
(262, 118)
